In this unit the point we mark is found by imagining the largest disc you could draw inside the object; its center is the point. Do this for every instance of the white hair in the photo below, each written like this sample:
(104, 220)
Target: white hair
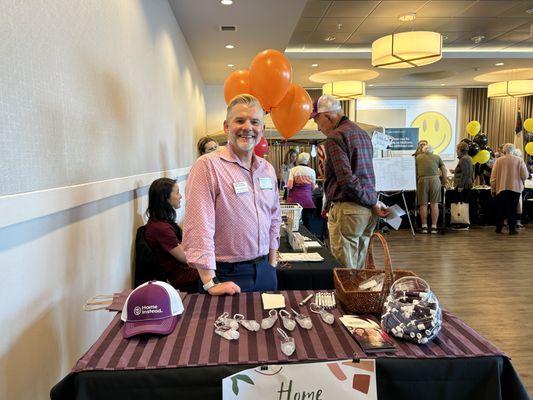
(518, 153)
(508, 148)
(427, 149)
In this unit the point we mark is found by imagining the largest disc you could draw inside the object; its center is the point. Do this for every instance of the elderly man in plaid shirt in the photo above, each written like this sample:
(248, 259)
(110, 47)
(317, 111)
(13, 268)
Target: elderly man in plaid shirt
(350, 183)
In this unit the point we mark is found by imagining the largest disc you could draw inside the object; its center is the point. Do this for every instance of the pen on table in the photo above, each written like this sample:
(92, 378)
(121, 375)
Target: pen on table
(305, 300)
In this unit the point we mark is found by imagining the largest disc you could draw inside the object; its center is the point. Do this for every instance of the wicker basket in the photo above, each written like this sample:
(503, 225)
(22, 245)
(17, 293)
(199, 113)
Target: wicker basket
(347, 282)
(293, 212)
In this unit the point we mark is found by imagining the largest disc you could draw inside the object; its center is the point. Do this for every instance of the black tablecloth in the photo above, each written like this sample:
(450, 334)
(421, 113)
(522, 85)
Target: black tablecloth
(481, 378)
(306, 275)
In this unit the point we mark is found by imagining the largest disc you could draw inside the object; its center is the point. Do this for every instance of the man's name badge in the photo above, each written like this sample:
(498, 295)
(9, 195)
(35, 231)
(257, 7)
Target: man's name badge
(240, 187)
(265, 183)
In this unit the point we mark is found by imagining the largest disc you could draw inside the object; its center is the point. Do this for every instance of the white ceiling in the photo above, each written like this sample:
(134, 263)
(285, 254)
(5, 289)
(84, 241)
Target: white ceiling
(299, 27)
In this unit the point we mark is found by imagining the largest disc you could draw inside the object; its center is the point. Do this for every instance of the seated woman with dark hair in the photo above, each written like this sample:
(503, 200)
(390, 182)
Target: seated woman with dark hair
(164, 236)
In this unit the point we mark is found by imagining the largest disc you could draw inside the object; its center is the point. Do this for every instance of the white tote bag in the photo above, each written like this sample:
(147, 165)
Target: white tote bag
(460, 213)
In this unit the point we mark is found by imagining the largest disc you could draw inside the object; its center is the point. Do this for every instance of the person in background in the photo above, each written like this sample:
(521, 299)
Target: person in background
(232, 220)
(463, 178)
(430, 177)
(164, 236)
(300, 185)
(507, 183)
(519, 225)
(288, 164)
(349, 185)
(206, 145)
(421, 143)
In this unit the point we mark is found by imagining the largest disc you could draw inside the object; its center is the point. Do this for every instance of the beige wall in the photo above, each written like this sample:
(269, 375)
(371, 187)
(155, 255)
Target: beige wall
(215, 107)
(97, 98)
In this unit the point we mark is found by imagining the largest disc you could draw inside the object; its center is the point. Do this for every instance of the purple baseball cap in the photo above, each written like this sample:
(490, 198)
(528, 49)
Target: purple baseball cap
(151, 308)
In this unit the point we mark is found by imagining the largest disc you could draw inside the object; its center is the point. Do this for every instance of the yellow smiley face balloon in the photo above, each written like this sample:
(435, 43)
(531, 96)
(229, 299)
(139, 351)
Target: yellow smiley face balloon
(435, 128)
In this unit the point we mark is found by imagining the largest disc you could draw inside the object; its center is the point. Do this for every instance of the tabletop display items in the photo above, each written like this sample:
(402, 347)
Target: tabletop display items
(347, 281)
(327, 317)
(269, 321)
(287, 343)
(225, 319)
(151, 308)
(286, 319)
(250, 324)
(303, 320)
(412, 311)
(226, 331)
(325, 300)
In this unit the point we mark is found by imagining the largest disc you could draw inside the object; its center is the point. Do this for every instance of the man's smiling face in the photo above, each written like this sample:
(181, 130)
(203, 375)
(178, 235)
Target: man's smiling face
(244, 127)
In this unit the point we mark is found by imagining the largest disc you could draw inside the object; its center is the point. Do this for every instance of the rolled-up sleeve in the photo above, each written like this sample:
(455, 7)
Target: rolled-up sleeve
(199, 224)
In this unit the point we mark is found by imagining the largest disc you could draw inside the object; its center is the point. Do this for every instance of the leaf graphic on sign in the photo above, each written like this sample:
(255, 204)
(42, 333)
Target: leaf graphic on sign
(235, 383)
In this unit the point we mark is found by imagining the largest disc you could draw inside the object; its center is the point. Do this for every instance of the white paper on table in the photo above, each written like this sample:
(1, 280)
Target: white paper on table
(272, 301)
(304, 257)
(312, 244)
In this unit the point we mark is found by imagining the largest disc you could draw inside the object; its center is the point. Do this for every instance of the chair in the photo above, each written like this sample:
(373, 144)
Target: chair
(146, 266)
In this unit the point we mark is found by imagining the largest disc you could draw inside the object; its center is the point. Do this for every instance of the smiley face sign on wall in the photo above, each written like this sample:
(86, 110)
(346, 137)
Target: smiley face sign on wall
(435, 128)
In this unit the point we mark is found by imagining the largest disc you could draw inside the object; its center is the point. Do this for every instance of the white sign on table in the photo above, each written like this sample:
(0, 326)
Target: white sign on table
(342, 379)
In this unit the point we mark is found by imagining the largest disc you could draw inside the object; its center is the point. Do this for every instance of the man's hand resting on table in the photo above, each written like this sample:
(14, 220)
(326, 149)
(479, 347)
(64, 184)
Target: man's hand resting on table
(224, 288)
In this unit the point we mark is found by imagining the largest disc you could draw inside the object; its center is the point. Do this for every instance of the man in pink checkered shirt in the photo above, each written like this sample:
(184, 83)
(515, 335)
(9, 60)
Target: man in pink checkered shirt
(232, 217)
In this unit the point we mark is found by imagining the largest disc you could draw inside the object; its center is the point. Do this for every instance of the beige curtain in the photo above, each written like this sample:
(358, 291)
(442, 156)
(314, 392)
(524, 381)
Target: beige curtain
(496, 116)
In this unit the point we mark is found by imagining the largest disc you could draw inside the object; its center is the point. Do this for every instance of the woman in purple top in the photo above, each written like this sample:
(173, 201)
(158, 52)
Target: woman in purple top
(301, 182)
(164, 236)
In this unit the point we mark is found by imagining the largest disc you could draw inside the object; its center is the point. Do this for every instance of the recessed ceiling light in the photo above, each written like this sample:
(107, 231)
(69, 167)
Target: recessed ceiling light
(407, 17)
(499, 64)
(229, 46)
(314, 65)
(444, 37)
(529, 10)
(371, 84)
(226, 2)
(329, 38)
(231, 65)
(443, 84)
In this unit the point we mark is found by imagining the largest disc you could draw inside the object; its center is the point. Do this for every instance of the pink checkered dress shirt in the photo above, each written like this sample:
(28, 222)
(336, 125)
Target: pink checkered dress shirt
(221, 225)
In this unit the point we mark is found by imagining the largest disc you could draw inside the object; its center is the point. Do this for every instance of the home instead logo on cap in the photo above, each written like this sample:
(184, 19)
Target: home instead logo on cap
(151, 308)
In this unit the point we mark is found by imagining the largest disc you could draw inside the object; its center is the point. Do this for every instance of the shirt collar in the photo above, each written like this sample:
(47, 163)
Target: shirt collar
(229, 155)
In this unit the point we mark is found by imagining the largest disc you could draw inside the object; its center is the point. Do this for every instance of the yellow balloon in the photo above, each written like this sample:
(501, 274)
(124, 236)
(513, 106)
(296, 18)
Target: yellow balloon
(483, 156)
(473, 127)
(475, 158)
(528, 125)
(529, 148)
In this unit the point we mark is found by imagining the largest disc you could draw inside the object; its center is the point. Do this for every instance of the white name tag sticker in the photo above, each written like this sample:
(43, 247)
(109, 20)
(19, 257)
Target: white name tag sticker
(240, 187)
(265, 183)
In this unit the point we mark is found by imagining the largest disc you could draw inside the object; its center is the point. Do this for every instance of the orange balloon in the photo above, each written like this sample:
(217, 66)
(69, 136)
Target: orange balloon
(293, 112)
(270, 77)
(236, 83)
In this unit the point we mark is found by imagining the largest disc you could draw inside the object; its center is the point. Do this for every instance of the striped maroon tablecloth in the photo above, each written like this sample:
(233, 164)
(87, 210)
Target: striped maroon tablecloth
(194, 343)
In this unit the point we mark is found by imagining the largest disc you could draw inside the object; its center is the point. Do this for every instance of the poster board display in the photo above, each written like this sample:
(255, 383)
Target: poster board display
(395, 173)
(404, 139)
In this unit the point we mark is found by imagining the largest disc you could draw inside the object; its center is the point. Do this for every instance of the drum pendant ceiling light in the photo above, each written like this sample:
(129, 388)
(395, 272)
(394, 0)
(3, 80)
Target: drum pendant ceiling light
(344, 90)
(514, 88)
(407, 49)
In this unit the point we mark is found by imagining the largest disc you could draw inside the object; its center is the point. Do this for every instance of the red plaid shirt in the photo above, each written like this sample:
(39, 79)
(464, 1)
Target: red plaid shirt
(349, 169)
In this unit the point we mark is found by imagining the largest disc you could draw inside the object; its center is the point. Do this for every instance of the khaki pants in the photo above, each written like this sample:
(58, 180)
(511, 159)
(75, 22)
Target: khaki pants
(350, 226)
